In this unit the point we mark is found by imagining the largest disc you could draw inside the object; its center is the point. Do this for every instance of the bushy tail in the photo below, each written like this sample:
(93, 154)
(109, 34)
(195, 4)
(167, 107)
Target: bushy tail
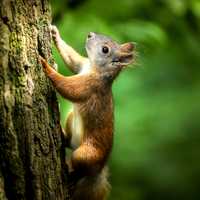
(92, 188)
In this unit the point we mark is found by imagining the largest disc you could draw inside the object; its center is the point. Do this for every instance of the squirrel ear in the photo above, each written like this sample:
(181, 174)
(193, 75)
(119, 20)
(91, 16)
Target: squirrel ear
(125, 54)
(126, 59)
(123, 58)
(127, 47)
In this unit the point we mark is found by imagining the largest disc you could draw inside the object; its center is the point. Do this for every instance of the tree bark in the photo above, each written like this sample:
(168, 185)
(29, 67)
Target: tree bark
(31, 152)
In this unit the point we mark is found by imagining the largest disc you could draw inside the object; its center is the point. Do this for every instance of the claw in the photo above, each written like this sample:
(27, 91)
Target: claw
(43, 61)
(54, 31)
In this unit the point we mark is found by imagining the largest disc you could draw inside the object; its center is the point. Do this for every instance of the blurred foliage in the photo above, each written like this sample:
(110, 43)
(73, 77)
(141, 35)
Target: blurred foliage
(157, 101)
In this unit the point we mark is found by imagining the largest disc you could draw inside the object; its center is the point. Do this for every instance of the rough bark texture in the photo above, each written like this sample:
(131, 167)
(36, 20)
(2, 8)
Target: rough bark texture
(31, 158)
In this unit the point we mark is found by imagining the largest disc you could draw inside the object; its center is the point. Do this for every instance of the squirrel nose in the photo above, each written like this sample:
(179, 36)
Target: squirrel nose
(91, 35)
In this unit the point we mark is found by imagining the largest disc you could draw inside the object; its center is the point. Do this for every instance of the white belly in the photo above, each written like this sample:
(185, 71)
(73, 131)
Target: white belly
(86, 68)
(76, 129)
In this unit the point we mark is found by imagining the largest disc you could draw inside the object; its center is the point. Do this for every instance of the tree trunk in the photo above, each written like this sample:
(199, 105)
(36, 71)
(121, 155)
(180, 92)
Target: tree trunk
(31, 151)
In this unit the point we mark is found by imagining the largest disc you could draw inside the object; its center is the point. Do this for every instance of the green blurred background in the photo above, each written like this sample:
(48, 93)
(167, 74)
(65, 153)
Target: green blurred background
(156, 152)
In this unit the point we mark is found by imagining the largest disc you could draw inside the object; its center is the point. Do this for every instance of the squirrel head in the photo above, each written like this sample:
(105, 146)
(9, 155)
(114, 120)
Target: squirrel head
(108, 56)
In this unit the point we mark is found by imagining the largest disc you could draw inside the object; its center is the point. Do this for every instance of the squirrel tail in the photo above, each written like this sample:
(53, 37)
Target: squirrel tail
(92, 187)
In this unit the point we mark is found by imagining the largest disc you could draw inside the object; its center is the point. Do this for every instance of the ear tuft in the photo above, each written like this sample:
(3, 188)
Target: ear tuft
(127, 47)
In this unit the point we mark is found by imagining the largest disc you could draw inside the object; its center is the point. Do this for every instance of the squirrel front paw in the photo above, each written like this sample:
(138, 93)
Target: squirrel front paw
(54, 33)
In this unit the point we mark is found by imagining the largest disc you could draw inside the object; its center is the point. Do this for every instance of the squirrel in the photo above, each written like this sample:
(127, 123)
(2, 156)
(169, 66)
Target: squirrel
(89, 126)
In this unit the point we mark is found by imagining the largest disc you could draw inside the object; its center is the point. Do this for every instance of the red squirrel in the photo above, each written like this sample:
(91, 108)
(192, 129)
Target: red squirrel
(89, 126)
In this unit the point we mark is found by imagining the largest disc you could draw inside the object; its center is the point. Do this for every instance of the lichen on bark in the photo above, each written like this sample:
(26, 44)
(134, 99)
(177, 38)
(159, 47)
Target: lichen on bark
(31, 152)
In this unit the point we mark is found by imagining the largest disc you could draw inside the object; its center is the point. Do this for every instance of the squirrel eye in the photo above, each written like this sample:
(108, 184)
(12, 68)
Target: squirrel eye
(105, 49)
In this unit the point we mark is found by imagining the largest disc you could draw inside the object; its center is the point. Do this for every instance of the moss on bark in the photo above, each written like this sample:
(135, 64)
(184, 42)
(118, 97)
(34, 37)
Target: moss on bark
(31, 152)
